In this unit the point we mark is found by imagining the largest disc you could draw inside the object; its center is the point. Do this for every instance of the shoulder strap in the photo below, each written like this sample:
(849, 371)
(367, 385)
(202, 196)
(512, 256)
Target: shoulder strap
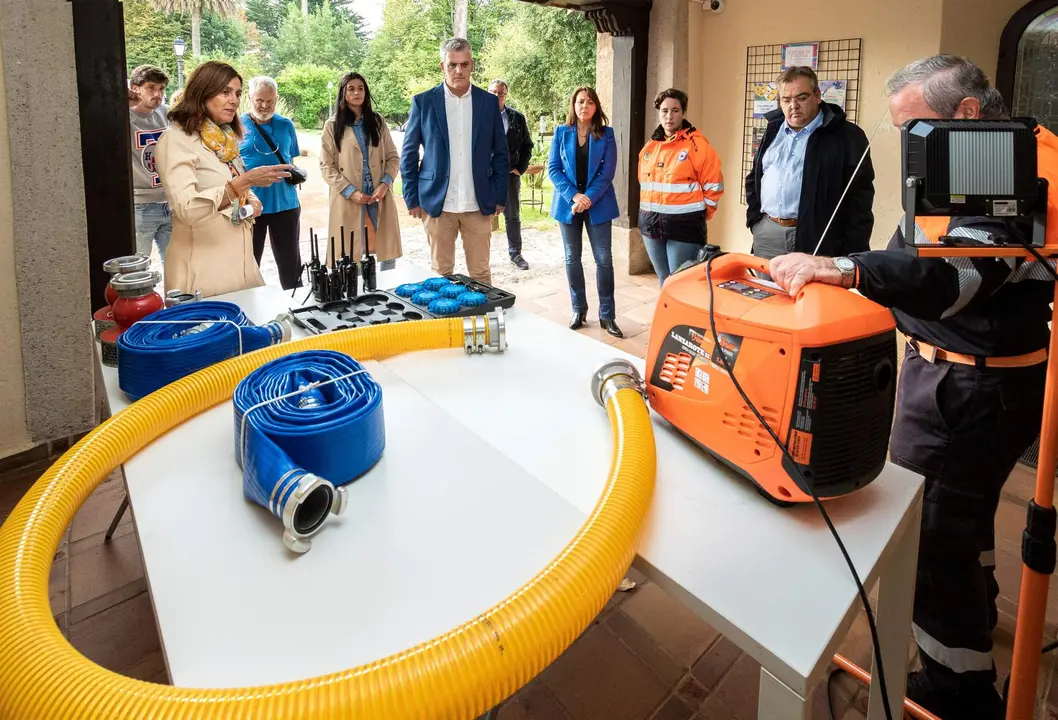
(268, 139)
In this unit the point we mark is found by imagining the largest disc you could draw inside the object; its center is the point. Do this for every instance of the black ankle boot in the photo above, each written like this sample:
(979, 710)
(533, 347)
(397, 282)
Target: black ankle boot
(577, 321)
(610, 326)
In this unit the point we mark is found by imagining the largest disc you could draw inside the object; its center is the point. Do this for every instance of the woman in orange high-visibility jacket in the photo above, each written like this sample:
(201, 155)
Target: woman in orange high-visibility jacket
(680, 186)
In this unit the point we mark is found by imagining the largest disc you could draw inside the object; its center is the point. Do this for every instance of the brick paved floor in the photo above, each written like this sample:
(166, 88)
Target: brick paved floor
(644, 658)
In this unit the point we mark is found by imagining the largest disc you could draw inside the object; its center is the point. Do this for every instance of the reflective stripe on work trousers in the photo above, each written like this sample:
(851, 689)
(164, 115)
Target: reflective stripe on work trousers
(959, 660)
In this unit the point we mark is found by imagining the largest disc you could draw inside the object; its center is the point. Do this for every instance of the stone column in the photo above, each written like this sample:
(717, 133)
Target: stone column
(621, 79)
(48, 218)
(667, 67)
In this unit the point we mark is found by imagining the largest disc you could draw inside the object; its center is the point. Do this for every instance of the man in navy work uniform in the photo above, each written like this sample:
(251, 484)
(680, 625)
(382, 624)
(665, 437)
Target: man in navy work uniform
(970, 396)
(270, 139)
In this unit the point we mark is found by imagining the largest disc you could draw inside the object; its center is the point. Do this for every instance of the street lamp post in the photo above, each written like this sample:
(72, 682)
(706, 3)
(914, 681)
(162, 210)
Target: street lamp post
(330, 96)
(178, 48)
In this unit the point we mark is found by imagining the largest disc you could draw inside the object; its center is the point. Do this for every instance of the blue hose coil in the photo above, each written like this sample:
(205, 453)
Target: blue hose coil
(435, 283)
(425, 297)
(443, 306)
(335, 431)
(408, 289)
(471, 299)
(152, 356)
(452, 291)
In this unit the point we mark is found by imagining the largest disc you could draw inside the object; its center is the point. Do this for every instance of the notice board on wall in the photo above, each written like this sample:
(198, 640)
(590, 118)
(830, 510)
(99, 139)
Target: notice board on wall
(837, 64)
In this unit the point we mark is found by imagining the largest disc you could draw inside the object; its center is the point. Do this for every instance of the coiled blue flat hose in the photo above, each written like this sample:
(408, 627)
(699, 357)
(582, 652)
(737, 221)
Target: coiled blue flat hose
(172, 343)
(299, 448)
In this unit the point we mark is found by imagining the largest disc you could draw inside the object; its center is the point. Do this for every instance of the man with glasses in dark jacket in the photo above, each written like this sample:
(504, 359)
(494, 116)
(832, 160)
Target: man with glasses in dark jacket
(520, 146)
(809, 154)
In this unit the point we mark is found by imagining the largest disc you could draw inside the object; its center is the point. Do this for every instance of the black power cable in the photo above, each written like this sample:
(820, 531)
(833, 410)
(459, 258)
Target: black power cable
(830, 697)
(811, 489)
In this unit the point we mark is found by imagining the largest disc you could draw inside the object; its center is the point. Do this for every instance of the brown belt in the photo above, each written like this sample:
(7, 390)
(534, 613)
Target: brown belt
(932, 354)
(784, 222)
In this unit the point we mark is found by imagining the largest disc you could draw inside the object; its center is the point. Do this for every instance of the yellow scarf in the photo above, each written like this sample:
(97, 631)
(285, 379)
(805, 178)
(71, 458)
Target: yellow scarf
(222, 141)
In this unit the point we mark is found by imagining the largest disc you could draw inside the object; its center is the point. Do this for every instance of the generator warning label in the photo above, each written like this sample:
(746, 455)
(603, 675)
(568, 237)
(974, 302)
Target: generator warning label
(805, 402)
(747, 290)
(800, 447)
(686, 356)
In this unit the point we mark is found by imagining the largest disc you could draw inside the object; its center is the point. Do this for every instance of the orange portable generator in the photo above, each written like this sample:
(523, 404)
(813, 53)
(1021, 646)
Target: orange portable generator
(819, 368)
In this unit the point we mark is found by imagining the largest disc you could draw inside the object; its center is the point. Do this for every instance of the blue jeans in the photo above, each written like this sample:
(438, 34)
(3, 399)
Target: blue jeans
(154, 224)
(667, 255)
(600, 238)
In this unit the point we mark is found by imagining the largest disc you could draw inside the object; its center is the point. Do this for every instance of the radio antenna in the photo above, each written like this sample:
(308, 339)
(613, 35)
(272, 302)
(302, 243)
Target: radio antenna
(852, 179)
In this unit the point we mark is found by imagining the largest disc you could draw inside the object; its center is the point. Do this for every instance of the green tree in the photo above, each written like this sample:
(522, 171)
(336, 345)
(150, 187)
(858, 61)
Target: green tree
(344, 9)
(247, 65)
(223, 36)
(402, 57)
(304, 88)
(196, 9)
(523, 53)
(324, 38)
(267, 15)
(149, 37)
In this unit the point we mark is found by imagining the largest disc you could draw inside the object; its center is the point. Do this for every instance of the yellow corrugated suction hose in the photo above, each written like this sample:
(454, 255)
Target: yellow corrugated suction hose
(457, 675)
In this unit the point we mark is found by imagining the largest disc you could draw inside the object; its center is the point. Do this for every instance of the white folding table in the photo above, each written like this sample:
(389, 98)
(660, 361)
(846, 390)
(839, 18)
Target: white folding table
(491, 464)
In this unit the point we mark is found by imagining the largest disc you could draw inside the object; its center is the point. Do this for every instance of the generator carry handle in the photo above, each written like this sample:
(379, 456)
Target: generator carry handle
(733, 266)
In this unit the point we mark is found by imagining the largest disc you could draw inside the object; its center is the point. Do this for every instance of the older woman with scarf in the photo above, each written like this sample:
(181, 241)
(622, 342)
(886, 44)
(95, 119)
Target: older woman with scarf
(680, 185)
(208, 189)
(359, 160)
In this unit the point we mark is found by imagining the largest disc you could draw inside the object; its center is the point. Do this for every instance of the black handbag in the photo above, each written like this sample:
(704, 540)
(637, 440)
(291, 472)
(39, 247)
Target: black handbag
(297, 175)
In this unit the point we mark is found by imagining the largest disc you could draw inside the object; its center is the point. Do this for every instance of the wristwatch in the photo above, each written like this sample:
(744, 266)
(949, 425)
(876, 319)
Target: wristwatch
(848, 271)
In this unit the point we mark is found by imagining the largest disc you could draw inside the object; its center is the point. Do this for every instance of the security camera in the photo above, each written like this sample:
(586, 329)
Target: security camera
(717, 6)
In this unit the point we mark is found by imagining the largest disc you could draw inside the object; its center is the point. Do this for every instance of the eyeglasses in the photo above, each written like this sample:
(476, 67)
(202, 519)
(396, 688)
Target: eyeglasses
(799, 99)
(458, 66)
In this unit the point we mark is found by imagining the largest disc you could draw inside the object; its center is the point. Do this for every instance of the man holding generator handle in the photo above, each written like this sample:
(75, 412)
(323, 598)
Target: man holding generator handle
(970, 394)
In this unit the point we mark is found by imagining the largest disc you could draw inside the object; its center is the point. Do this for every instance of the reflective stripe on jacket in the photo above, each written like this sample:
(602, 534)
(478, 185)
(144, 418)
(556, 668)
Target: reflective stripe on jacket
(680, 184)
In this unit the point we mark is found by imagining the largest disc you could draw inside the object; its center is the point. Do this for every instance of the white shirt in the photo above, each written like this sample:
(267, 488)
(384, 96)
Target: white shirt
(460, 113)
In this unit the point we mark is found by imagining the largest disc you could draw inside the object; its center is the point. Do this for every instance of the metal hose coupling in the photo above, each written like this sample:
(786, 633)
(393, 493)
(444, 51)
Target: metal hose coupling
(303, 502)
(485, 331)
(286, 322)
(613, 376)
(179, 297)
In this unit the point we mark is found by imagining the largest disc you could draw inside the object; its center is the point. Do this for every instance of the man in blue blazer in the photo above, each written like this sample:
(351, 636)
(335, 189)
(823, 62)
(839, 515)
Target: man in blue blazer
(461, 181)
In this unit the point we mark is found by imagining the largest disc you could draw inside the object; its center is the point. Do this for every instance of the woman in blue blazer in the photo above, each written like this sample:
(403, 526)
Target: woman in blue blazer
(581, 165)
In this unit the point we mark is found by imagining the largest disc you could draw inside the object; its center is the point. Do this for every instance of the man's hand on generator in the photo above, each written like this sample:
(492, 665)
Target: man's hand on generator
(792, 272)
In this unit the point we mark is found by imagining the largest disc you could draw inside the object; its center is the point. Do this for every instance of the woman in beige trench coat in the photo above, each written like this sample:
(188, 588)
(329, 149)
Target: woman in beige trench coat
(207, 188)
(360, 190)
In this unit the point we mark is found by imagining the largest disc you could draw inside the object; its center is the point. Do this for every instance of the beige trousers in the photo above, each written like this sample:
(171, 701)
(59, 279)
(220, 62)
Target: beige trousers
(476, 231)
